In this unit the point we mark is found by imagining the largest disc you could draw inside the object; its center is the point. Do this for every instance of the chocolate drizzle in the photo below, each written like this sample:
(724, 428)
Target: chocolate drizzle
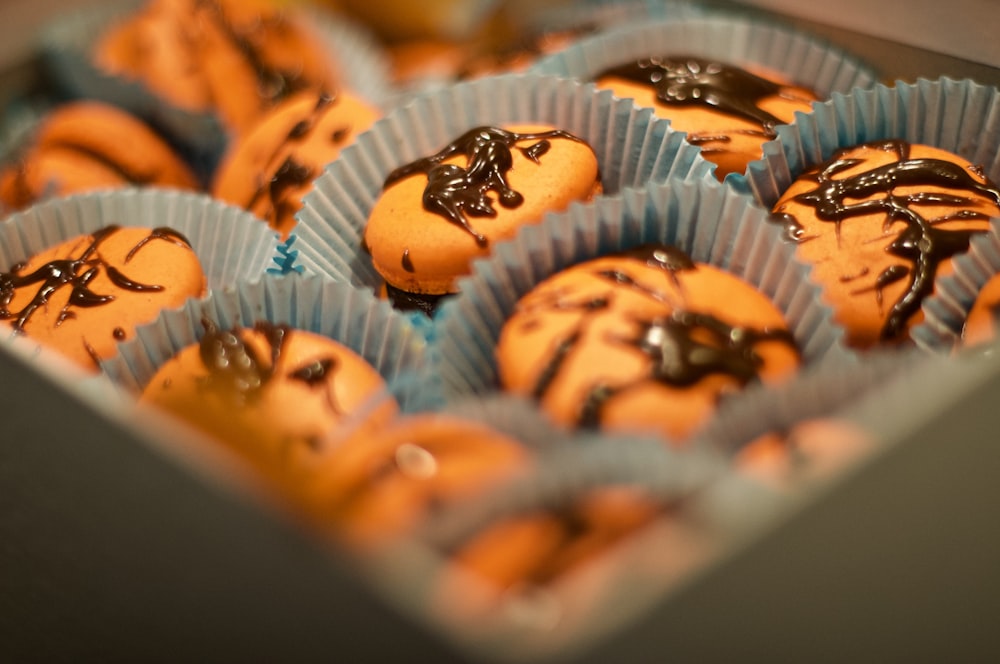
(290, 174)
(76, 273)
(456, 193)
(682, 346)
(922, 242)
(235, 368)
(683, 80)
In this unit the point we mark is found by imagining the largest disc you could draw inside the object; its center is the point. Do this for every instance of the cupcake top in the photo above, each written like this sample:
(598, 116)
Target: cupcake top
(83, 296)
(235, 58)
(269, 392)
(270, 169)
(728, 110)
(880, 221)
(438, 213)
(644, 339)
(86, 146)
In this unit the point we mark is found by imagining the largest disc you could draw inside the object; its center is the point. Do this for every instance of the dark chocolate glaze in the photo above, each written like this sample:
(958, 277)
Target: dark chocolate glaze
(405, 301)
(407, 262)
(108, 162)
(290, 174)
(456, 193)
(922, 242)
(682, 80)
(236, 369)
(118, 333)
(75, 273)
(683, 347)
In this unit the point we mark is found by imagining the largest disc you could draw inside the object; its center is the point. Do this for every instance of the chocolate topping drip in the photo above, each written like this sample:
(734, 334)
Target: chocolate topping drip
(76, 273)
(456, 193)
(683, 347)
(107, 161)
(922, 242)
(683, 80)
(233, 365)
(236, 369)
(290, 173)
(273, 83)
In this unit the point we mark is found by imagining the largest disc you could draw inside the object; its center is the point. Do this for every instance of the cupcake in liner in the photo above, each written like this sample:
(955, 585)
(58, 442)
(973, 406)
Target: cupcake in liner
(957, 116)
(228, 243)
(375, 488)
(565, 555)
(353, 318)
(632, 147)
(339, 359)
(68, 44)
(709, 222)
(736, 40)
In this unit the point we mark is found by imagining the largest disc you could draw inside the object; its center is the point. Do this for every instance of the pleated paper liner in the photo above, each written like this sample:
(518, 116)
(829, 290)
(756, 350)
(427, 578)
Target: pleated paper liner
(958, 116)
(687, 508)
(67, 47)
(632, 148)
(710, 222)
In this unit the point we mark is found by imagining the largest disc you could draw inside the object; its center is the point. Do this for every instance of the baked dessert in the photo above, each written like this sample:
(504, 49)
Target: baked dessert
(270, 169)
(84, 296)
(236, 58)
(728, 110)
(645, 339)
(435, 215)
(880, 222)
(528, 550)
(85, 146)
(270, 393)
(380, 485)
(807, 451)
(981, 323)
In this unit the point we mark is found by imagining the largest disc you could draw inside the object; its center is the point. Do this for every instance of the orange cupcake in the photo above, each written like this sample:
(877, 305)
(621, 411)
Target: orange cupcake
(437, 214)
(880, 222)
(234, 58)
(642, 340)
(728, 110)
(377, 486)
(86, 146)
(270, 393)
(270, 169)
(85, 295)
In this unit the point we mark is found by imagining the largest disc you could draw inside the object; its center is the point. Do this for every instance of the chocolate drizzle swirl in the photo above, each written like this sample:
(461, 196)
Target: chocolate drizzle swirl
(77, 274)
(684, 80)
(922, 242)
(682, 346)
(236, 368)
(291, 174)
(456, 193)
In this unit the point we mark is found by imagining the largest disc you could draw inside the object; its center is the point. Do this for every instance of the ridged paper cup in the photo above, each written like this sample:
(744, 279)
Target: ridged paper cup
(356, 319)
(68, 43)
(632, 148)
(693, 509)
(962, 117)
(710, 222)
(738, 40)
